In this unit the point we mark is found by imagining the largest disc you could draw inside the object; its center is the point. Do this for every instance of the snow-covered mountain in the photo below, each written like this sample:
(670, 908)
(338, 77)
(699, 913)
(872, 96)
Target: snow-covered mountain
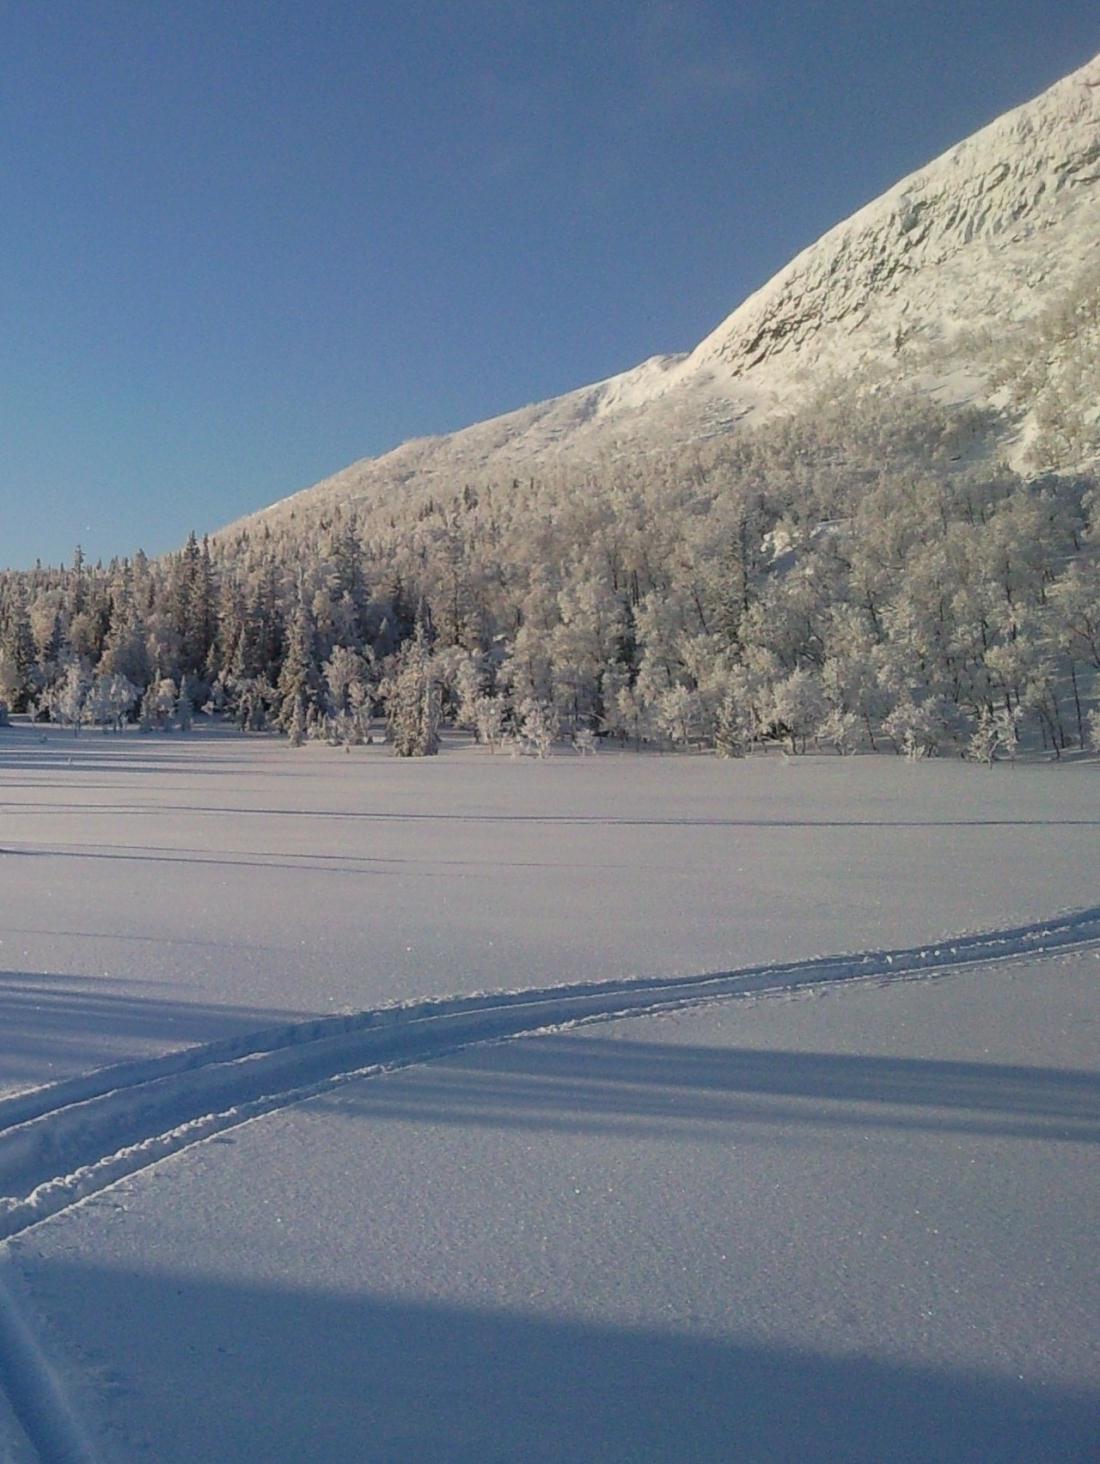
(951, 281)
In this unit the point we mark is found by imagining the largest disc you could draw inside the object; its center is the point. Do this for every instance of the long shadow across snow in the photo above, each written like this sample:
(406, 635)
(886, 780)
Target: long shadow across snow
(242, 1371)
(588, 1084)
(47, 1020)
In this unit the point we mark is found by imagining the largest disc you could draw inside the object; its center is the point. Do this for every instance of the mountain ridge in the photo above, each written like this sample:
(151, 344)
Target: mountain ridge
(981, 239)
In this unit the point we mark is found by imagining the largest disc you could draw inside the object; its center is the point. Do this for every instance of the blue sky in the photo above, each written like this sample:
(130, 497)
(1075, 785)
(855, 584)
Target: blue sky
(245, 244)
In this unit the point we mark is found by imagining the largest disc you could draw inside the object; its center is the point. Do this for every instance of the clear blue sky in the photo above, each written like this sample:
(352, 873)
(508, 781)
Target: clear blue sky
(243, 244)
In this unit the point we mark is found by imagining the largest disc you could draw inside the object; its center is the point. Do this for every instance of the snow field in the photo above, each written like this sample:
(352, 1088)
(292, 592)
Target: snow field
(849, 1219)
(852, 1222)
(158, 892)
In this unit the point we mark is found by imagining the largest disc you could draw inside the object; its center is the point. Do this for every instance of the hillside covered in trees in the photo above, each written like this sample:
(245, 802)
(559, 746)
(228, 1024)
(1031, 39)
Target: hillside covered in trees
(858, 576)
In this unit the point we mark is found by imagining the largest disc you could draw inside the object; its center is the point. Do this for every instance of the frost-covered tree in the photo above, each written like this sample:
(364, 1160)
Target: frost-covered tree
(536, 728)
(254, 700)
(413, 701)
(840, 729)
(678, 714)
(296, 732)
(798, 707)
(584, 742)
(185, 704)
(67, 698)
(299, 680)
(109, 700)
(489, 721)
(158, 705)
(915, 728)
(346, 678)
(17, 650)
(13, 682)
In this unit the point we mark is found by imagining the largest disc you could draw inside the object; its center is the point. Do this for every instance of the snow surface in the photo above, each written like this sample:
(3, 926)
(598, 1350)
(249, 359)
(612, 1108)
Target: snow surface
(168, 890)
(854, 1225)
(847, 1220)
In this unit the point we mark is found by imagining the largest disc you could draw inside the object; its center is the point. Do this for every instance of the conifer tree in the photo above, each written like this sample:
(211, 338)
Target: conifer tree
(299, 679)
(413, 701)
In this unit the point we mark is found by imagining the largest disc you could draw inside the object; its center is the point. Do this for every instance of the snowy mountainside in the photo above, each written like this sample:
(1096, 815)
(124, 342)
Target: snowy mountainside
(1001, 221)
(936, 284)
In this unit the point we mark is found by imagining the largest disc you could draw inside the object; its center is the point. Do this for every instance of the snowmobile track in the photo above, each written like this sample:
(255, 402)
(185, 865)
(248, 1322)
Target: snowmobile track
(63, 1143)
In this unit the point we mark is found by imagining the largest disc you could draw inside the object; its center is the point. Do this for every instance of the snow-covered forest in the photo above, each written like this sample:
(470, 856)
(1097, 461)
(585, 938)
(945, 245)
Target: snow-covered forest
(862, 575)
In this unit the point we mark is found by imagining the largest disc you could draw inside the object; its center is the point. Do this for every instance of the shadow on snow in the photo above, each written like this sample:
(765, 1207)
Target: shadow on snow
(60, 1025)
(574, 1083)
(223, 1370)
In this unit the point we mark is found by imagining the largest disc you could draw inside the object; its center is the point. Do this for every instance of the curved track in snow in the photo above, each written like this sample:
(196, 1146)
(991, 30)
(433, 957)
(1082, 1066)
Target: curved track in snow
(63, 1143)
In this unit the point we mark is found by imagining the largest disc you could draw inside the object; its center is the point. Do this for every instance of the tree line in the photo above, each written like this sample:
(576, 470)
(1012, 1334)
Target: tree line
(862, 575)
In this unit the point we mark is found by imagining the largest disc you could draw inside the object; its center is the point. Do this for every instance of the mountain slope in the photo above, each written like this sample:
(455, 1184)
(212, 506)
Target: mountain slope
(936, 284)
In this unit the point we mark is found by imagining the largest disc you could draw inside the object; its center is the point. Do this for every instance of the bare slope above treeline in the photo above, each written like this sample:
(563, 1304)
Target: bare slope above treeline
(974, 280)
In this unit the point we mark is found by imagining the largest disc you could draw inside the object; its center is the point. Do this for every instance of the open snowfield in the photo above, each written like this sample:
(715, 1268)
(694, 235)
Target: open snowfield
(789, 1206)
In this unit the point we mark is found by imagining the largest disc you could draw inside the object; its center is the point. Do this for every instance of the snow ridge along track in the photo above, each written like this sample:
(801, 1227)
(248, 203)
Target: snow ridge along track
(62, 1143)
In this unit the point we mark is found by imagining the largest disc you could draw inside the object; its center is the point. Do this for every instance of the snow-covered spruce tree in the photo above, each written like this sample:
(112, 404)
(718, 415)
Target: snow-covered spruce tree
(347, 679)
(145, 710)
(730, 739)
(125, 651)
(192, 605)
(296, 732)
(13, 682)
(254, 699)
(299, 679)
(185, 704)
(471, 682)
(413, 701)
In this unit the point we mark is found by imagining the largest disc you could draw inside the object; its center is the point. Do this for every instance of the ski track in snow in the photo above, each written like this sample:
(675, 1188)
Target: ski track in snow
(64, 1143)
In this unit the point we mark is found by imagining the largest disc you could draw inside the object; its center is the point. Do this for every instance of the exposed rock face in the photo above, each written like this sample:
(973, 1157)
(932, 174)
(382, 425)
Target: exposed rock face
(921, 286)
